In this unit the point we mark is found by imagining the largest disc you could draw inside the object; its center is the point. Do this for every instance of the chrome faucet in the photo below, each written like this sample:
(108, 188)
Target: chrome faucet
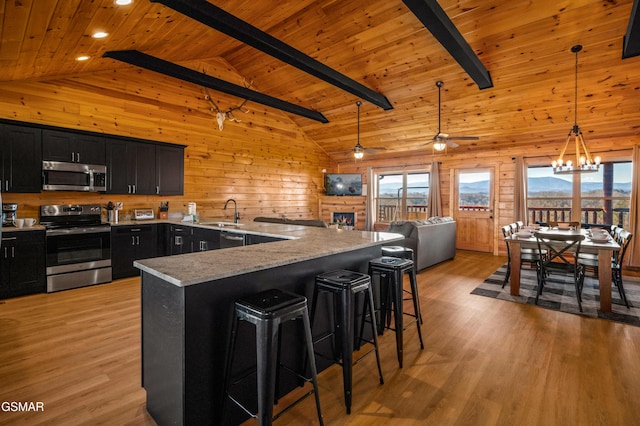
(236, 215)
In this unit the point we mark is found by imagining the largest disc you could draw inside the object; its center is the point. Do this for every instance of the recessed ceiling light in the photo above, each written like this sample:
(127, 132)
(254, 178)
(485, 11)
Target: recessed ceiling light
(99, 34)
(123, 2)
(82, 58)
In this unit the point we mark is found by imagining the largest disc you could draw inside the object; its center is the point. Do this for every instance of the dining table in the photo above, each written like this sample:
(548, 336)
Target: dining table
(604, 250)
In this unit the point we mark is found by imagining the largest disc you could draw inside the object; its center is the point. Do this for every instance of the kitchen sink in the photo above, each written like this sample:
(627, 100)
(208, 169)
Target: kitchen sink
(220, 224)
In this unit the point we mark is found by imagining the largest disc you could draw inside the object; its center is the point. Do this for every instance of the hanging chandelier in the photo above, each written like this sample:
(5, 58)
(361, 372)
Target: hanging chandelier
(584, 163)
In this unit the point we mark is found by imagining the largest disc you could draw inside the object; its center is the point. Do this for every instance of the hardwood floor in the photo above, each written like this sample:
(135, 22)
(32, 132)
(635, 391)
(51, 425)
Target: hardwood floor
(485, 361)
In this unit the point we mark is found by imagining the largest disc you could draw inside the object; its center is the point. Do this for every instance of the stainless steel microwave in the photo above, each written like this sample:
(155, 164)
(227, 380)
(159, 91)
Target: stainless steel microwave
(60, 176)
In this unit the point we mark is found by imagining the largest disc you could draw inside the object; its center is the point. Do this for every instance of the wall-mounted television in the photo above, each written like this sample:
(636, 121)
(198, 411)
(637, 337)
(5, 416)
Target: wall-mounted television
(343, 184)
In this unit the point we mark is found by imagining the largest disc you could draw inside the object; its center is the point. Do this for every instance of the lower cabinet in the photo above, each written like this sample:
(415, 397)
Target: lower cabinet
(130, 243)
(133, 242)
(180, 239)
(206, 239)
(22, 263)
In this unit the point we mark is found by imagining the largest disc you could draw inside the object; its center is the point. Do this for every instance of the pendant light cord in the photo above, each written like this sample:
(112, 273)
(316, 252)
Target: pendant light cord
(575, 102)
(439, 84)
(575, 49)
(358, 103)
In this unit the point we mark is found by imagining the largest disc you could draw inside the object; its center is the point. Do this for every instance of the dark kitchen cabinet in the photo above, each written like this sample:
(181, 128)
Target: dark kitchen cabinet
(144, 168)
(180, 239)
(131, 167)
(118, 181)
(130, 243)
(205, 239)
(22, 263)
(20, 158)
(72, 147)
(169, 170)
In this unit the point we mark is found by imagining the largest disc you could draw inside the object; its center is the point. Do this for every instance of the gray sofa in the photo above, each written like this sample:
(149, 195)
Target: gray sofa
(433, 240)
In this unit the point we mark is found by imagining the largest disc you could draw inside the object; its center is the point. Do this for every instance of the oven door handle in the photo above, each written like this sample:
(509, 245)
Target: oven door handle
(78, 231)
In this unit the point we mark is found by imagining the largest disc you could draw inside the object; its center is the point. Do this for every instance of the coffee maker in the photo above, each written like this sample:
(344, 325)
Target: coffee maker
(9, 213)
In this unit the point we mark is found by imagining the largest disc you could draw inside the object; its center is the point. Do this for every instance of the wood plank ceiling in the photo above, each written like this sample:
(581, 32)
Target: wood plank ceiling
(382, 45)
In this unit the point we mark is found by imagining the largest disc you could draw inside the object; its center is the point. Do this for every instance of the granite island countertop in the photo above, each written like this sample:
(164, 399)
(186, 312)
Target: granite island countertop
(302, 243)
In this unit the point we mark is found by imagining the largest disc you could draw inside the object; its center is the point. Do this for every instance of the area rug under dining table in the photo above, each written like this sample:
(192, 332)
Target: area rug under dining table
(559, 294)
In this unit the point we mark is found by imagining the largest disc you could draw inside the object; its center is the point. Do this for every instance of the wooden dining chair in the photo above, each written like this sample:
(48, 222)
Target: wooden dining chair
(624, 238)
(590, 260)
(528, 256)
(563, 251)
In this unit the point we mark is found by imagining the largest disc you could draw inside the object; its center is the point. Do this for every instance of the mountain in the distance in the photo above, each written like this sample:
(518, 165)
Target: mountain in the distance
(549, 184)
(553, 184)
(546, 184)
(540, 184)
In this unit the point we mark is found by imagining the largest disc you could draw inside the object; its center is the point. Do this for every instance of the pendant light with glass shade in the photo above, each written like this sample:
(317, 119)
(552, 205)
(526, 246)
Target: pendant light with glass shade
(584, 163)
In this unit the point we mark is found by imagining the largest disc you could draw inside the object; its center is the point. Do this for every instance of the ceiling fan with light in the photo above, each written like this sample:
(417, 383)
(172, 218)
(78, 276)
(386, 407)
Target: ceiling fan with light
(359, 150)
(442, 140)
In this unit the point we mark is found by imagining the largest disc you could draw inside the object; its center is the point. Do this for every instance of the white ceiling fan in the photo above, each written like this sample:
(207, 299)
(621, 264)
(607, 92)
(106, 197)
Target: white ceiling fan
(359, 150)
(442, 140)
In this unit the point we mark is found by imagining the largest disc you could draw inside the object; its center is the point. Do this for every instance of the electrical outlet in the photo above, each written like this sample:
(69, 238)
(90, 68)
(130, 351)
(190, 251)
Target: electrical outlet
(118, 205)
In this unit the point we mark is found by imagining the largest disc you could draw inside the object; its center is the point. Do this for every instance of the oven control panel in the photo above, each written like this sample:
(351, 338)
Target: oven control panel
(70, 210)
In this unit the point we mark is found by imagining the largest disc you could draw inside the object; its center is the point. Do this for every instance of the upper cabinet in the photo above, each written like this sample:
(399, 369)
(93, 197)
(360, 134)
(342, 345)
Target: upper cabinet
(144, 168)
(134, 166)
(73, 147)
(169, 170)
(20, 158)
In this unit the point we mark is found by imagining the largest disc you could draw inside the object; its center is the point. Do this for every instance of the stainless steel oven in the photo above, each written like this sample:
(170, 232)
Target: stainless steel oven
(78, 246)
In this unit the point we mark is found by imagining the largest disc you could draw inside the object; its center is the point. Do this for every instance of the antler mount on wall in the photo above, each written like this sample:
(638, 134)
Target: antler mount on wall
(229, 114)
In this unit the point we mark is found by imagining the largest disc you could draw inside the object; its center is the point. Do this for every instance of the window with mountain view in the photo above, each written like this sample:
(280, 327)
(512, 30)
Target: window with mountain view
(402, 196)
(474, 192)
(604, 196)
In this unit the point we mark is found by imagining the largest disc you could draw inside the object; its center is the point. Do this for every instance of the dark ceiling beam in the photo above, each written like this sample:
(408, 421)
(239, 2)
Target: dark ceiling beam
(161, 66)
(232, 26)
(631, 41)
(438, 23)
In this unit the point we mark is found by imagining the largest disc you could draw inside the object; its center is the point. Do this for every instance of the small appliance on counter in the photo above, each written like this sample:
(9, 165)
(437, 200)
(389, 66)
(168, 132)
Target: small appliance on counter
(112, 213)
(163, 213)
(9, 213)
(143, 214)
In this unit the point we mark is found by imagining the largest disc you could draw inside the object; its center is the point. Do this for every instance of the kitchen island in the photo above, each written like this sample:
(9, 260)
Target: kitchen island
(187, 307)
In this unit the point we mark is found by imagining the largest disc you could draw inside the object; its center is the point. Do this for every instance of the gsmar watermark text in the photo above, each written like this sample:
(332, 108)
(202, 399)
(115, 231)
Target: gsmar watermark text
(22, 406)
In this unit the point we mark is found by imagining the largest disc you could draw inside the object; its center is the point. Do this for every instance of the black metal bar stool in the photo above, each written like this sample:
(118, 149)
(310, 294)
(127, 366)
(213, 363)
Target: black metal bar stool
(268, 310)
(344, 287)
(391, 271)
(398, 251)
(404, 253)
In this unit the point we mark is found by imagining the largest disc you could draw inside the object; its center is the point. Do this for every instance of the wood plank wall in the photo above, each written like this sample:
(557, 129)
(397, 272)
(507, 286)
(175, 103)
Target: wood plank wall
(265, 162)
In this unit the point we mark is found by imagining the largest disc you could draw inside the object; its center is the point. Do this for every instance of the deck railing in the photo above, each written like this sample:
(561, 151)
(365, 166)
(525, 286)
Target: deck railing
(589, 215)
(388, 213)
